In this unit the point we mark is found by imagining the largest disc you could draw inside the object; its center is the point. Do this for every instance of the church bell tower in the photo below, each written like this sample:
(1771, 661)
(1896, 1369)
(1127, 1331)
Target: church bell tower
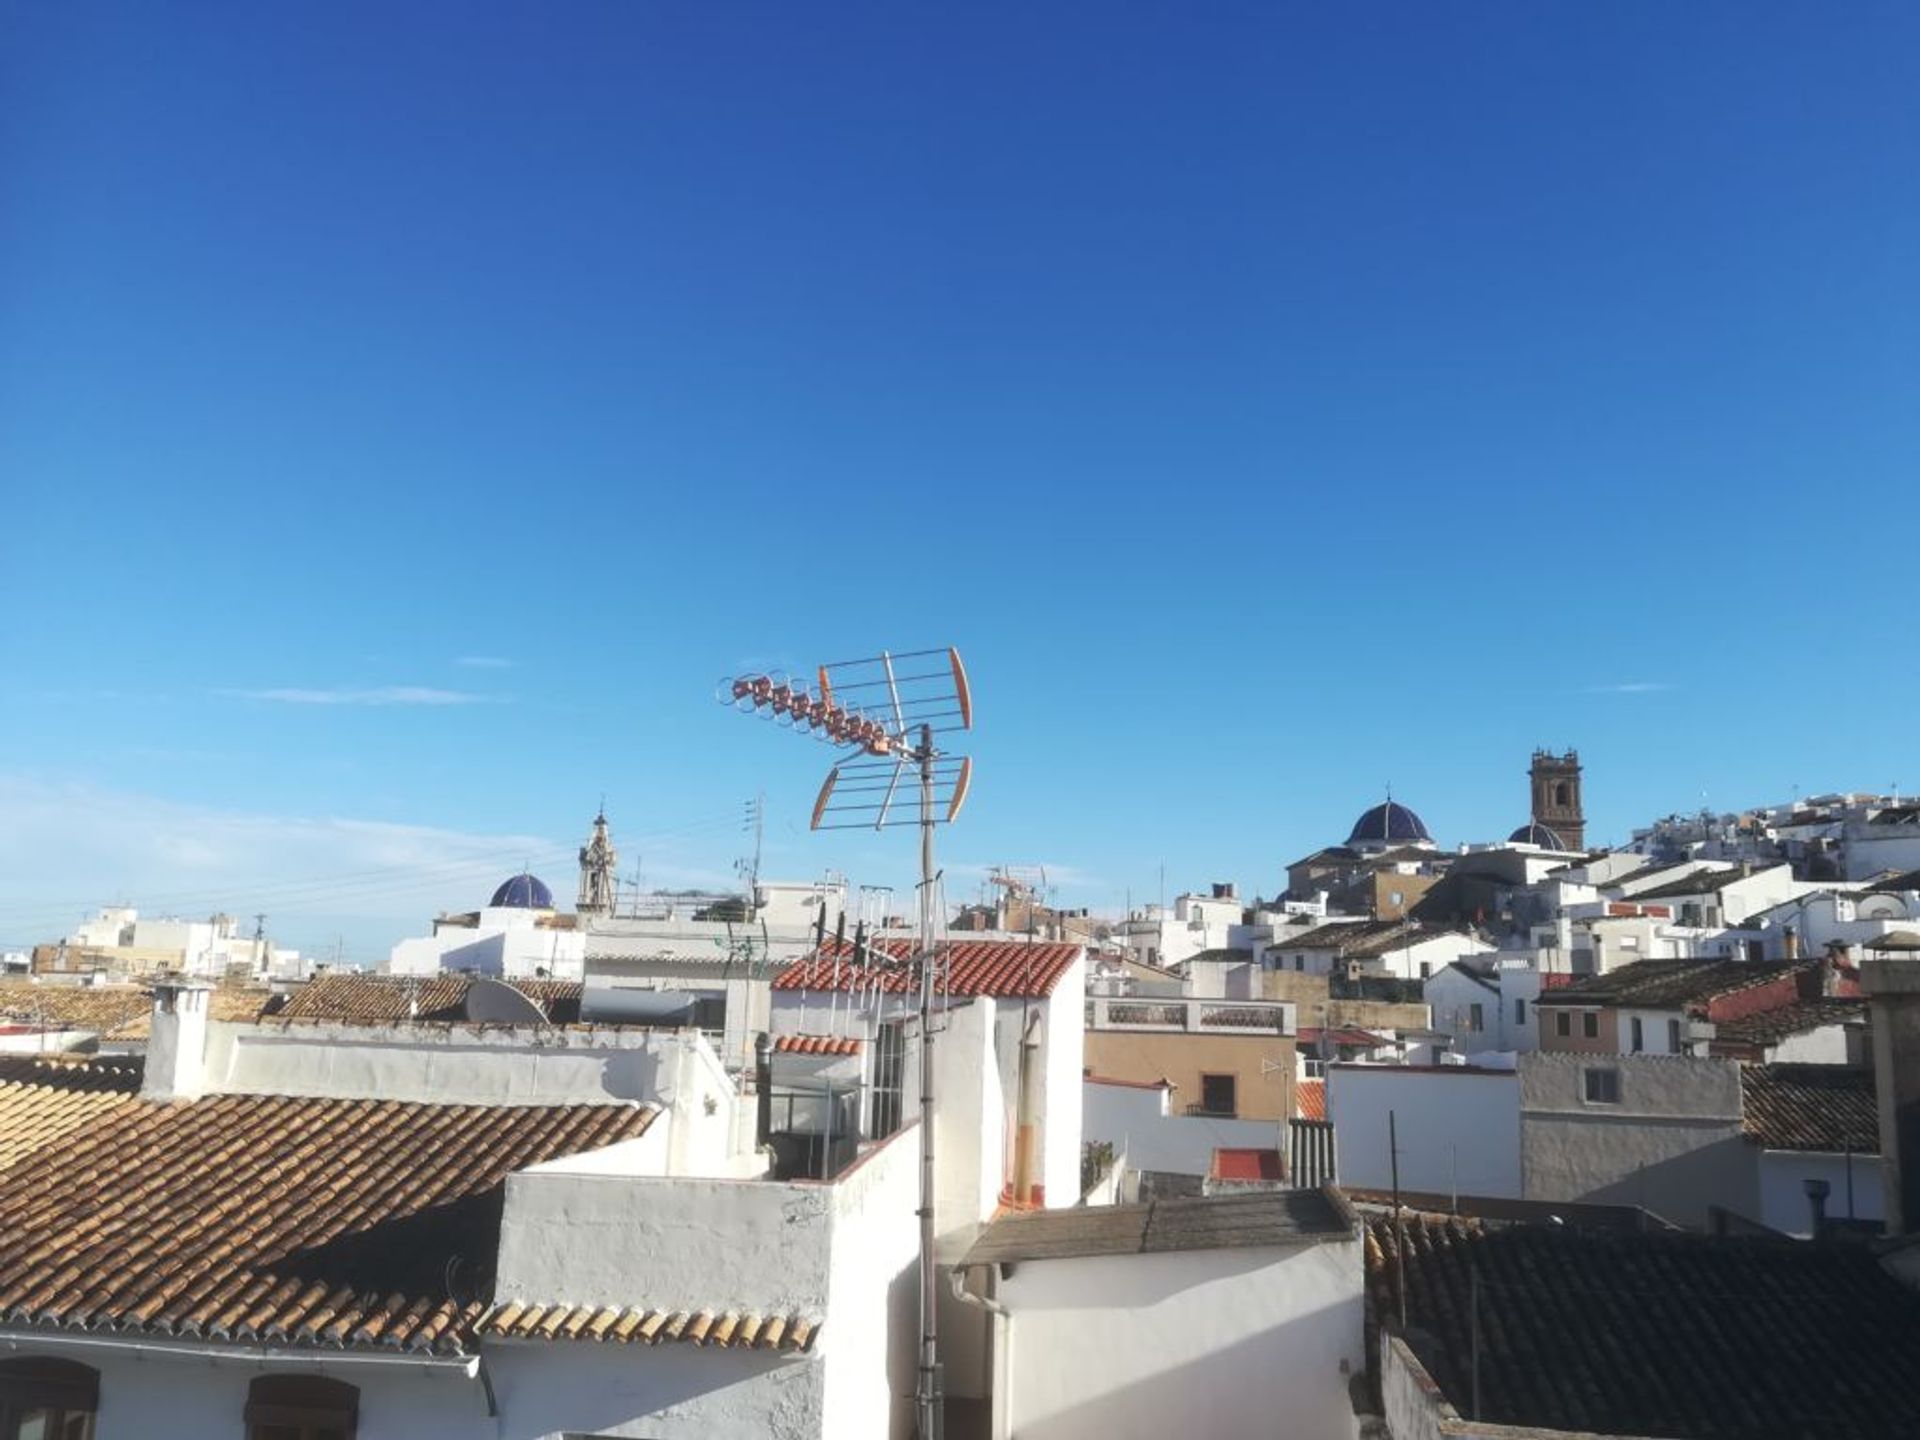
(1556, 796)
(597, 862)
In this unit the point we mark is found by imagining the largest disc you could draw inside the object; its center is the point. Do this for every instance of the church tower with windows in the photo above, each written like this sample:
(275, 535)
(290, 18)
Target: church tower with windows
(1556, 797)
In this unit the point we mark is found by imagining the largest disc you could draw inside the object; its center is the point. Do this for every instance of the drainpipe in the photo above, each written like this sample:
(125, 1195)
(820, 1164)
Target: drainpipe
(1023, 1116)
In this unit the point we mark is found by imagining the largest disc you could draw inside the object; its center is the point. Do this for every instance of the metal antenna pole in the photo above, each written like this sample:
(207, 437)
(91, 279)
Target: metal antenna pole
(927, 1392)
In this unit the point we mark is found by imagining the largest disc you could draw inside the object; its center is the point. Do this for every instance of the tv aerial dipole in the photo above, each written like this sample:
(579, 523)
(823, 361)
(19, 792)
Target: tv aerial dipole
(884, 713)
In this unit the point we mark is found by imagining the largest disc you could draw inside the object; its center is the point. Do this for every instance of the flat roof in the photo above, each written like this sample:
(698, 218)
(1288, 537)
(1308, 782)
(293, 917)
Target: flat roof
(1213, 1222)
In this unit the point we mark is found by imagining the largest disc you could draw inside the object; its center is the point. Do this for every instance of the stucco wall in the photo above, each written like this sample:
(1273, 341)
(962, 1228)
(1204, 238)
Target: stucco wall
(1458, 1129)
(1262, 1065)
(873, 1294)
(1220, 1343)
(1061, 1100)
(1672, 1144)
(1783, 1197)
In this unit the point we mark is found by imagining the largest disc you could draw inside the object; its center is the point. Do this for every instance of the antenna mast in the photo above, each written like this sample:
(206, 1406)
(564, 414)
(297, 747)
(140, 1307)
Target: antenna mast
(887, 721)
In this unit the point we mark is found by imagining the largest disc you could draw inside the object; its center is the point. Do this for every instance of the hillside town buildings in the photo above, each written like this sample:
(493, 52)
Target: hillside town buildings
(1359, 1160)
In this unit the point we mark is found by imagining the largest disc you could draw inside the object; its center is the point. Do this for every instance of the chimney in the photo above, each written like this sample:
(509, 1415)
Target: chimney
(177, 1045)
(763, 1090)
(1893, 1016)
(1817, 1191)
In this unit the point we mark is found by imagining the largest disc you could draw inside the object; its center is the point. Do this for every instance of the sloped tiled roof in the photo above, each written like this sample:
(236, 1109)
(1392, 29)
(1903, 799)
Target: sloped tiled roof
(338, 1223)
(1223, 957)
(1667, 984)
(1310, 1099)
(815, 1045)
(390, 999)
(42, 1100)
(1004, 969)
(117, 1012)
(1269, 1217)
(1829, 1108)
(229, 1003)
(1689, 1337)
(1770, 1027)
(721, 1327)
(1700, 882)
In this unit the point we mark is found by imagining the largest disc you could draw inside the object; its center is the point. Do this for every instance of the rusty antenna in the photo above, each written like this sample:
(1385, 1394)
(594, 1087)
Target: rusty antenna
(885, 712)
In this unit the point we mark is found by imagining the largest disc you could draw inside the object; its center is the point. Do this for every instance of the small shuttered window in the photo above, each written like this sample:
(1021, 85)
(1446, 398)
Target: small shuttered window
(301, 1407)
(45, 1399)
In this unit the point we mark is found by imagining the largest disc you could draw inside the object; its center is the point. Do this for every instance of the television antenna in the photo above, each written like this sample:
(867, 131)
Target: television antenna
(884, 713)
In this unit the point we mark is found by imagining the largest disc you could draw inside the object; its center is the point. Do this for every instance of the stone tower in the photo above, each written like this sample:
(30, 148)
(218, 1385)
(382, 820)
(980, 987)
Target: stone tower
(1556, 796)
(597, 862)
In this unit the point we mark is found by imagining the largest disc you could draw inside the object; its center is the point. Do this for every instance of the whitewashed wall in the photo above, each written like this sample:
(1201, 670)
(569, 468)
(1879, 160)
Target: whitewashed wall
(1457, 1128)
(1218, 1343)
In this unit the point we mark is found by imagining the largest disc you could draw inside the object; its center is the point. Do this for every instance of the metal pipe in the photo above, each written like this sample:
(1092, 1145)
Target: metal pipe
(258, 1355)
(927, 1388)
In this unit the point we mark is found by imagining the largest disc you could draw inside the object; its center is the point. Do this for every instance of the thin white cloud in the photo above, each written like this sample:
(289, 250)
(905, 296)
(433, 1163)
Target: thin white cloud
(1630, 687)
(484, 662)
(375, 695)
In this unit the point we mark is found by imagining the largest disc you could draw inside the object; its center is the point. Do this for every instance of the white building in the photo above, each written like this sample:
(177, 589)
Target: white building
(1234, 1317)
(1457, 1128)
(117, 939)
(441, 1232)
(517, 935)
(1155, 935)
(1485, 1004)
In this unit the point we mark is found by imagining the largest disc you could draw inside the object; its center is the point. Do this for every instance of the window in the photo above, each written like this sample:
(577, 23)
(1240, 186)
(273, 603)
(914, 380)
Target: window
(1299, 962)
(1673, 1036)
(47, 1400)
(1562, 1023)
(1560, 795)
(1519, 1012)
(1426, 969)
(1476, 1018)
(1602, 1085)
(1218, 1095)
(301, 1407)
(1639, 1035)
(1590, 1025)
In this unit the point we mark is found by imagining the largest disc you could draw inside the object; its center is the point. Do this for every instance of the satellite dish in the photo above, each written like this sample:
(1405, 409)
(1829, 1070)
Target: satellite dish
(494, 1002)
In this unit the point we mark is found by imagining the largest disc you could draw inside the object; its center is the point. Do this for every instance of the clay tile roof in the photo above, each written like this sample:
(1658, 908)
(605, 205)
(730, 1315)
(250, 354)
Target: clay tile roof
(1241, 1163)
(229, 1003)
(117, 1012)
(390, 999)
(1310, 1099)
(42, 1100)
(1770, 1027)
(815, 1045)
(1003, 969)
(723, 1328)
(1667, 984)
(1828, 1108)
(1689, 1337)
(275, 1220)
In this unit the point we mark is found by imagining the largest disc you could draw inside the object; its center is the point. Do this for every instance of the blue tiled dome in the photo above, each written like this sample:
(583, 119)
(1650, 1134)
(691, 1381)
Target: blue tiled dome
(1389, 824)
(1536, 834)
(523, 892)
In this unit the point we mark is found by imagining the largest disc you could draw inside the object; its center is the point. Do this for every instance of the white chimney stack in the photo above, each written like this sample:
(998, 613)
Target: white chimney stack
(177, 1046)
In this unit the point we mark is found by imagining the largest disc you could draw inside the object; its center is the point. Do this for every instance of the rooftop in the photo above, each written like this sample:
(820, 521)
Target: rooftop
(43, 1099)
(1272, 1217)
(1700, 882)
(1770, 1027)
(323, 1223)
(1003, 969)
(1825, 1108)
(360, 999)
(1688, 1337)
(1668, 984)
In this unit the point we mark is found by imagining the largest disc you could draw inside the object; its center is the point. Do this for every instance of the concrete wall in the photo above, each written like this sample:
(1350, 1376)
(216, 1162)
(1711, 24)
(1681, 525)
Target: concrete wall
(1134, 1120)
(1458, 1129)
(1672, 1144)
(1782, 1199)
(1220, 1343)
(1063, 1059)
(873, 1294)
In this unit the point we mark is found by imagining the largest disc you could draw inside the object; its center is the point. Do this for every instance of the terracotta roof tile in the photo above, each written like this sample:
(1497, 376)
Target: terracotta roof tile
(719, 1326)
(390, 999)
(264, 1218)
(42, 1100)
(816, 1045)
(1770, 1027)
(1310, 1099)
(1829, 1108)
(1004, 969)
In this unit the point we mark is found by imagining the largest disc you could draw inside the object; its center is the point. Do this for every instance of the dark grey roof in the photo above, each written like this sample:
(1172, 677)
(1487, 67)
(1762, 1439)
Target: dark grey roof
(1217, 1222)
(1669, 984)
(1228, 956)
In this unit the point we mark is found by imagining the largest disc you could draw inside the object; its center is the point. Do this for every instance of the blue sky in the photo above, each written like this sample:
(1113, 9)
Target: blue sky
(406, 413)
